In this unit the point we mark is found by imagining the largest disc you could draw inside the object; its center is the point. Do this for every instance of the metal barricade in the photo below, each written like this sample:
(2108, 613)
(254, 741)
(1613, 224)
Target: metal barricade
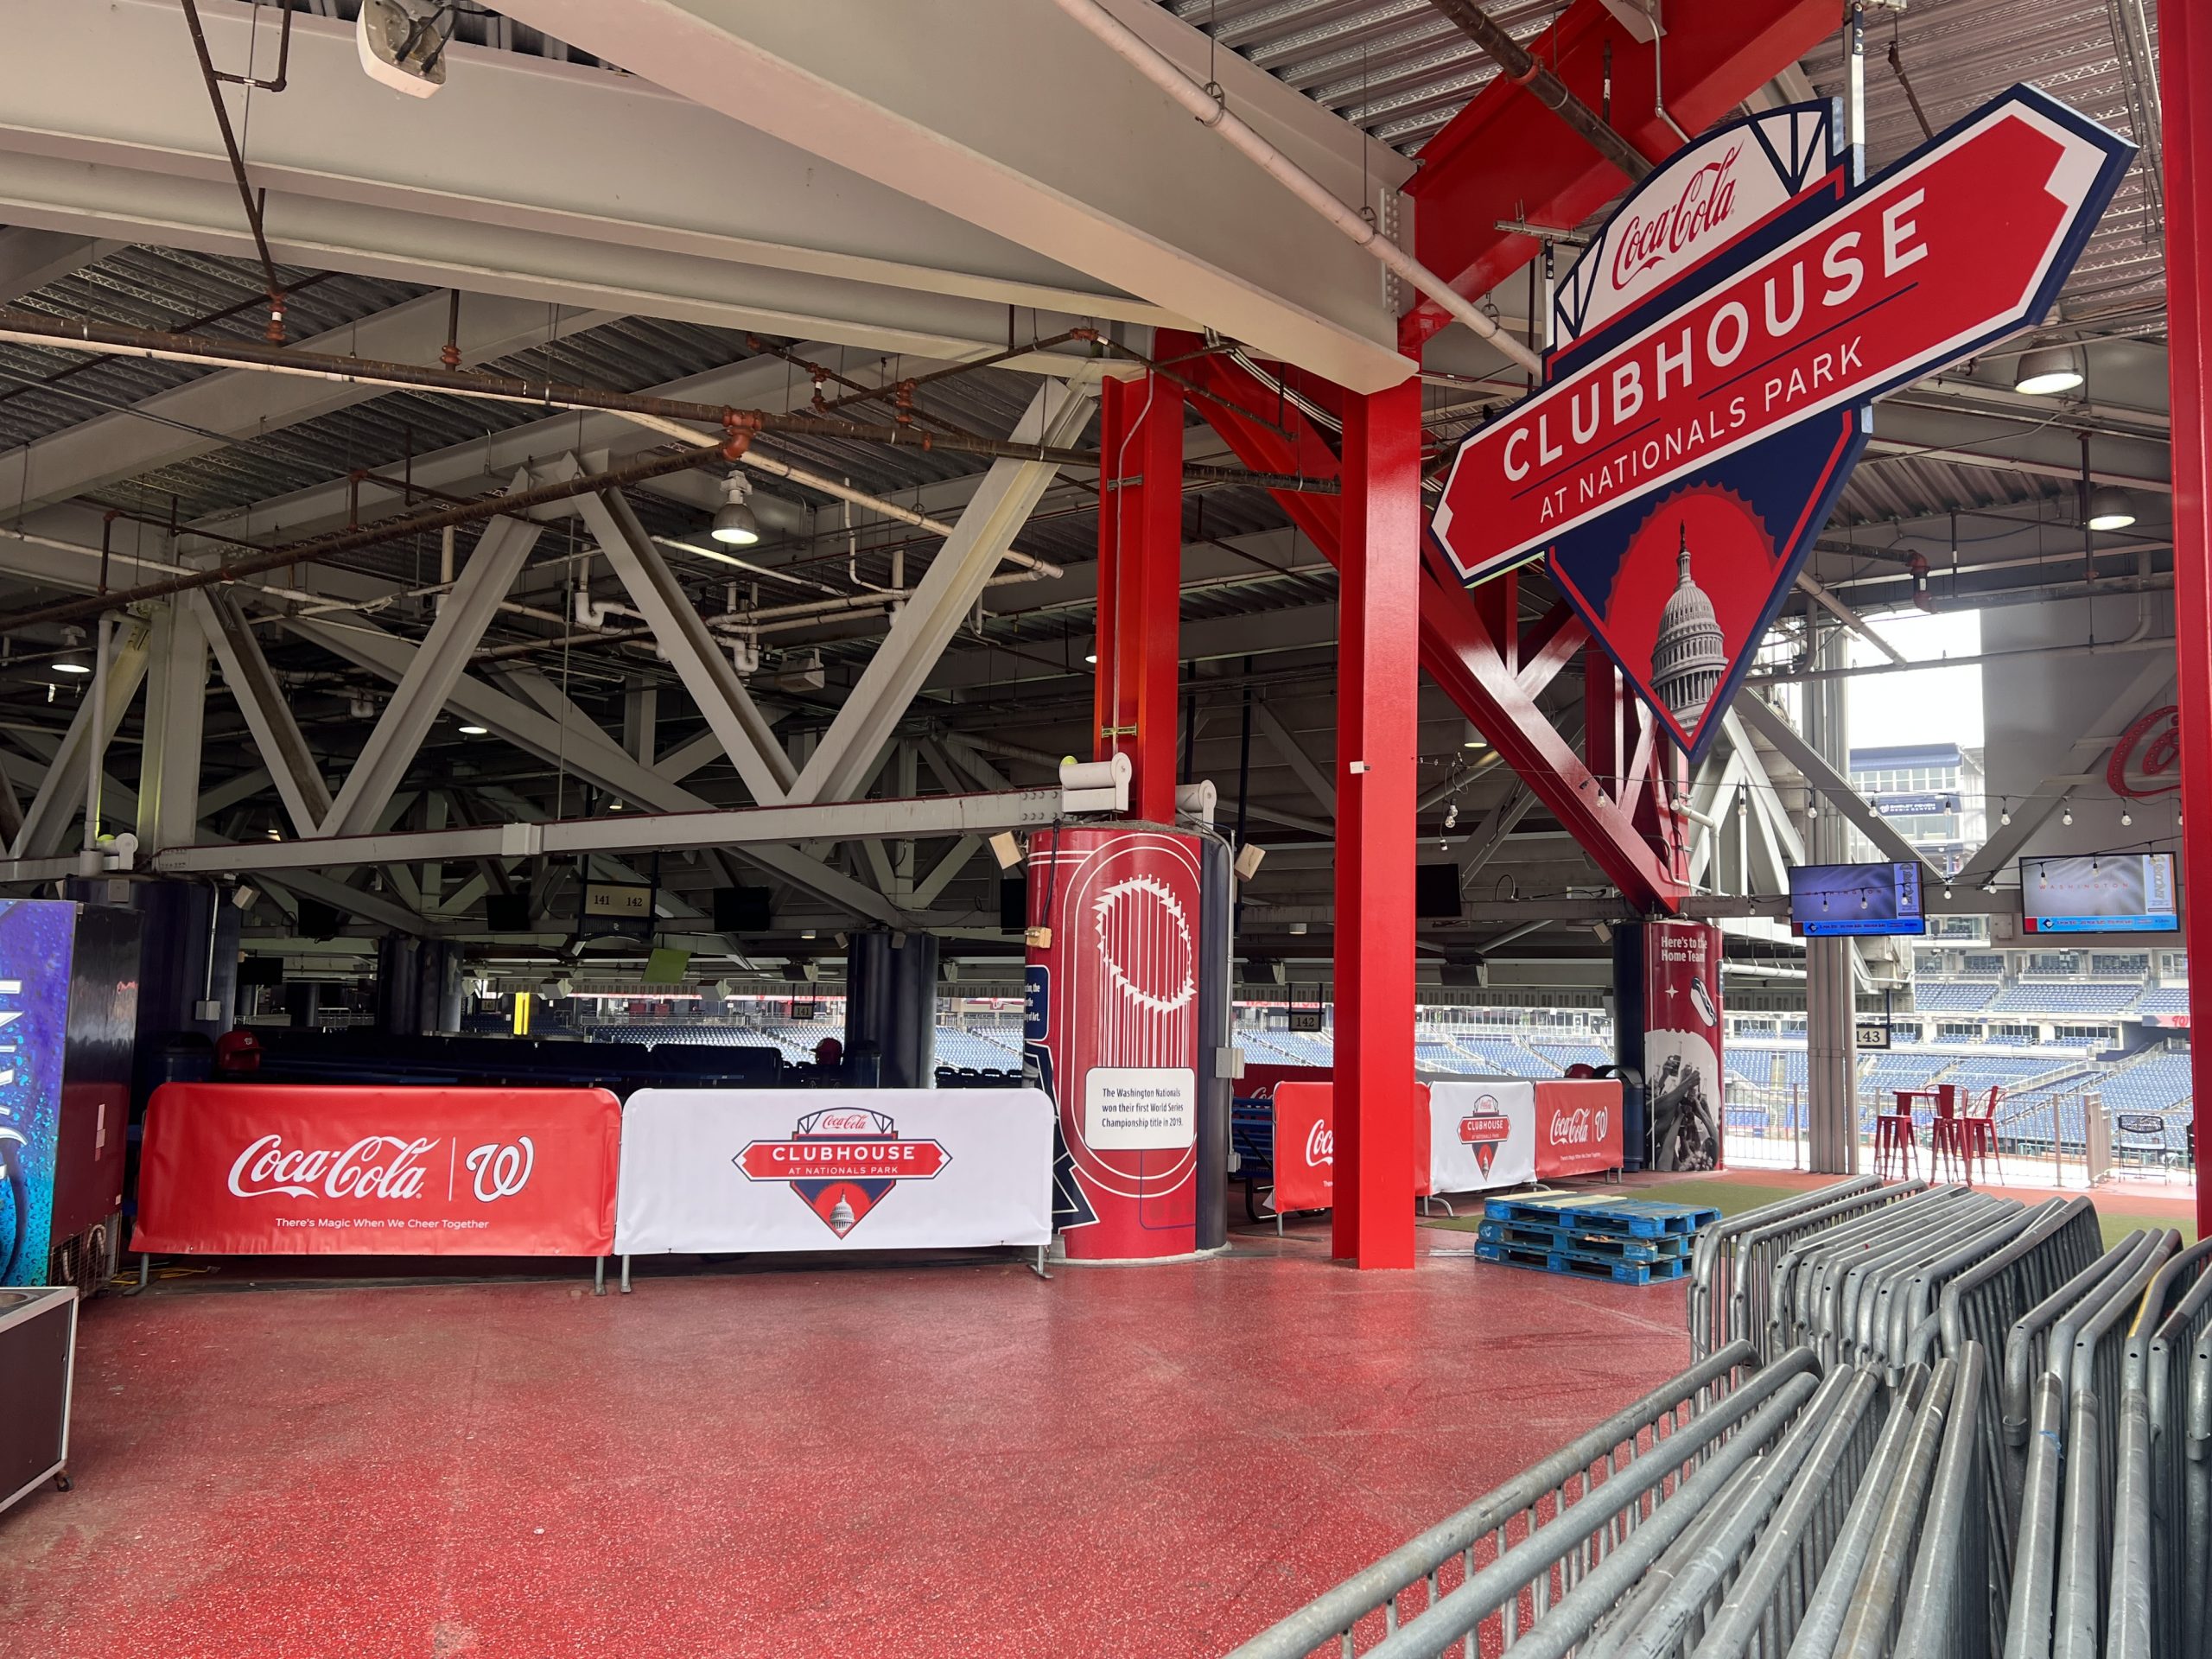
(1946, 1614)
(1910, 1329)
(2150, 1522)
(2091, 1367)
(1801, 1278)
(1981, 1304)
(1874, 1608)
(2196, 1495)
(1717, 1262)
(1576, 1508)
(2026, 1345)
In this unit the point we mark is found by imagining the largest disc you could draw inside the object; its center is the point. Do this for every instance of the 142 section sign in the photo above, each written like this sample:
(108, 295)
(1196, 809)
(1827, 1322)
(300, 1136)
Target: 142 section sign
(1717, 350)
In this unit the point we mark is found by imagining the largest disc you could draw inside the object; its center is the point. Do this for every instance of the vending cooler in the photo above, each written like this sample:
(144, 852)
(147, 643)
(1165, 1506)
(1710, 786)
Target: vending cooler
(68, 1008)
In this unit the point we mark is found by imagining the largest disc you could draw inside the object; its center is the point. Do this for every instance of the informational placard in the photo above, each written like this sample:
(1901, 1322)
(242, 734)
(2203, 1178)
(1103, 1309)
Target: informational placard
(726, 1170)
(1718, 346)
(270, 1169)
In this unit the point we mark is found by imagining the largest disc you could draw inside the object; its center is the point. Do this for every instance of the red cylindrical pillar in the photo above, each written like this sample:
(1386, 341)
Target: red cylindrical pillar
(1140, 584)
(1378, 687)
(1112, 1030)
(2185, 80)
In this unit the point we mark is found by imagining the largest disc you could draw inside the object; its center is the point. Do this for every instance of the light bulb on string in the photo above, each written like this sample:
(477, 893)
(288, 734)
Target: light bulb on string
(2004, 813)
(2125, 817)
(2066, 817)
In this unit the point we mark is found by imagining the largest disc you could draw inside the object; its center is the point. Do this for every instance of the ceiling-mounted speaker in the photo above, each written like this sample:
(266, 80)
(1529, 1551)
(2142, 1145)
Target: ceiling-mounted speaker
(403, 44)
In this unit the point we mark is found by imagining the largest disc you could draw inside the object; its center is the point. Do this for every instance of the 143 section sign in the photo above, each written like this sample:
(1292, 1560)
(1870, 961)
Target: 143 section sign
(1717, 350)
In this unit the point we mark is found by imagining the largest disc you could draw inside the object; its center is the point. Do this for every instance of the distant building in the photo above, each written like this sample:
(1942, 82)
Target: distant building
(1931, 794)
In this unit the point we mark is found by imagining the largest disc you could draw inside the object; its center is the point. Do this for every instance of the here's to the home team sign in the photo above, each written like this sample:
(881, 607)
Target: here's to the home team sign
(1718, 348)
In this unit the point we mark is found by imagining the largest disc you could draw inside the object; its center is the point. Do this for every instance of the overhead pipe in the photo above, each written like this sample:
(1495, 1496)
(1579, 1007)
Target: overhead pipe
(1210, 107)
(1515, 63)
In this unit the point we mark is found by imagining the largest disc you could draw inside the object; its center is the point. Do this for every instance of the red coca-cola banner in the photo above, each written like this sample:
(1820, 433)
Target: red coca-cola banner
(1306, 1145)
(233, 1169)
(1578, 1127)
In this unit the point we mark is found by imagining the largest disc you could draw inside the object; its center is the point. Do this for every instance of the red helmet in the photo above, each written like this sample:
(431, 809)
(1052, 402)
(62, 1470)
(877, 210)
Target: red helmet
(237, 1051)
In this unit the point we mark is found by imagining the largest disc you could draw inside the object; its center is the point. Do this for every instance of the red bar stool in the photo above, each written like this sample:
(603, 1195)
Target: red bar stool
(1946, 1148)
(1897, 1151)
(1977, 1133)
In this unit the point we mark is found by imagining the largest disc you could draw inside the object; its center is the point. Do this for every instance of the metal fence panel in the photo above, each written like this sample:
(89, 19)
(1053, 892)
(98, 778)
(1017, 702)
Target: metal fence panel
(1946, 1616)
(1724, 1251)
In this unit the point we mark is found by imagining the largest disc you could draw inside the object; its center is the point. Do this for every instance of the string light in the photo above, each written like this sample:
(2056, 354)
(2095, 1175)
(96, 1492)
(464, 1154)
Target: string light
(2125, 817)
(2066, 817)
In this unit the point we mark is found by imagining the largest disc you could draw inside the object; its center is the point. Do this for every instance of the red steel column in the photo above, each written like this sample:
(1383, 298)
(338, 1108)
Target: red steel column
(1140, 585)
(1378, 684)
(2186, 77)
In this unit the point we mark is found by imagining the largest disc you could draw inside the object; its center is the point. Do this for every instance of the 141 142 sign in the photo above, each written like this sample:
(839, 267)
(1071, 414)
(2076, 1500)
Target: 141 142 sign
(1718, 349)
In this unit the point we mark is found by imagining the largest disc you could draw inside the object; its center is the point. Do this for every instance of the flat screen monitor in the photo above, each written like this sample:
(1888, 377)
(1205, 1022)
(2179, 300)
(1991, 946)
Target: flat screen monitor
(1826, 899)
(2100, 893)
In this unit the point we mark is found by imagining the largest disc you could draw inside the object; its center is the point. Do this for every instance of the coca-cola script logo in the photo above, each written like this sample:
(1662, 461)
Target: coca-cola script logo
(1583, 1126)
(375, 1166)
(1320, 1145)
(1708, 197)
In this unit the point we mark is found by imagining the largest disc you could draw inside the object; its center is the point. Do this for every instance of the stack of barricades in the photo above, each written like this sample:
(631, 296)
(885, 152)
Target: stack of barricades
(1923, 1421)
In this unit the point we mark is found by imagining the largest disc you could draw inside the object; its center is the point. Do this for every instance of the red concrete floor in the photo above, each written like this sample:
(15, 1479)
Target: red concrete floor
(956, 1459)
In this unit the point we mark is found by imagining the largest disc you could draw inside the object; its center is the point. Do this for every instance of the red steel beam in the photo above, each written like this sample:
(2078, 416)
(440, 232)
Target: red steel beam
(1139, 586)
(1475, 661)
(1505, 156)
(1378, 744)
(2186, 77)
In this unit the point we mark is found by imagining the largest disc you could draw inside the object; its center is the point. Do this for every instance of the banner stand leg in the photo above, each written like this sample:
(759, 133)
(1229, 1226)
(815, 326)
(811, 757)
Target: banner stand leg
(599, 1275)
(1037, 1266)
(145, 1263)
(625, 1275)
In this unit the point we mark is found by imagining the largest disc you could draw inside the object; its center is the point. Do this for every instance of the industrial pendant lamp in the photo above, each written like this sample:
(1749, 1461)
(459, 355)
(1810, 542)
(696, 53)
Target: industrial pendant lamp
(72, 660)
(2051, 369)
(734, 524)
(2110, 508)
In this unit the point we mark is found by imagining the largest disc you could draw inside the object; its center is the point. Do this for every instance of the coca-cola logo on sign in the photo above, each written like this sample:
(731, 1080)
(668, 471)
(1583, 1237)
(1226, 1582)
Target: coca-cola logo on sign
(1578, 1128)
(375, 1166)
(1321, 1145)
(1708, 197)
(844, 1123)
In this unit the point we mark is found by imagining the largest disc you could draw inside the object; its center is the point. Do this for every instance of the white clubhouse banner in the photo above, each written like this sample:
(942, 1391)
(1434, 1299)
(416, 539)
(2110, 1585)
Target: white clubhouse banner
(714, 1170)
(1480, 1135)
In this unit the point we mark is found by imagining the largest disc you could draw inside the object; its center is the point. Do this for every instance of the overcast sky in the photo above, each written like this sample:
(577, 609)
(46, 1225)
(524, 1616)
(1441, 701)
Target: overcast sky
(1939, 705)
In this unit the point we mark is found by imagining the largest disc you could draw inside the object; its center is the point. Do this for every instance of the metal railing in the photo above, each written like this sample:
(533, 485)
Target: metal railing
(2157, 1583)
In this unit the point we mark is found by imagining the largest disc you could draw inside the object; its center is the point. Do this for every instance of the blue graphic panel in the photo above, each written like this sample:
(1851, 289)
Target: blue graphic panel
(36, 939)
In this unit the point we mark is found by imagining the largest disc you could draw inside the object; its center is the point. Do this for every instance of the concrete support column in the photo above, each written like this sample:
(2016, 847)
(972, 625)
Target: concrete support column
(1378, 686)
(399, 973)
(1831, 1000)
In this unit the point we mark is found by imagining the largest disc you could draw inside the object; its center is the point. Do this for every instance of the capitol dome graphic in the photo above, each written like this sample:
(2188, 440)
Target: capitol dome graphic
(1690, 654)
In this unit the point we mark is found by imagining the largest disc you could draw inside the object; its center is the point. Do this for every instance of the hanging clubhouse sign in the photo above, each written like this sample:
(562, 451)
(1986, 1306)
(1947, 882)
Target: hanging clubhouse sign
(1717, 351)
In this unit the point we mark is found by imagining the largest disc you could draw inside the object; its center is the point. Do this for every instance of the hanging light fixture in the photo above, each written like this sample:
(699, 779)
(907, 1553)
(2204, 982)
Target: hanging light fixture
(1471, 738)
(2126, 818)
(734, 524)
(2110, 508)
(2050, 369)
(72, 660)
(2066, 817)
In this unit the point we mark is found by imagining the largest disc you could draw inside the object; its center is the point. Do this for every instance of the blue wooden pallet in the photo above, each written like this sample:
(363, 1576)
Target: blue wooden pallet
(1596, 1213)
(1528, 1237)
(1580, 1266)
